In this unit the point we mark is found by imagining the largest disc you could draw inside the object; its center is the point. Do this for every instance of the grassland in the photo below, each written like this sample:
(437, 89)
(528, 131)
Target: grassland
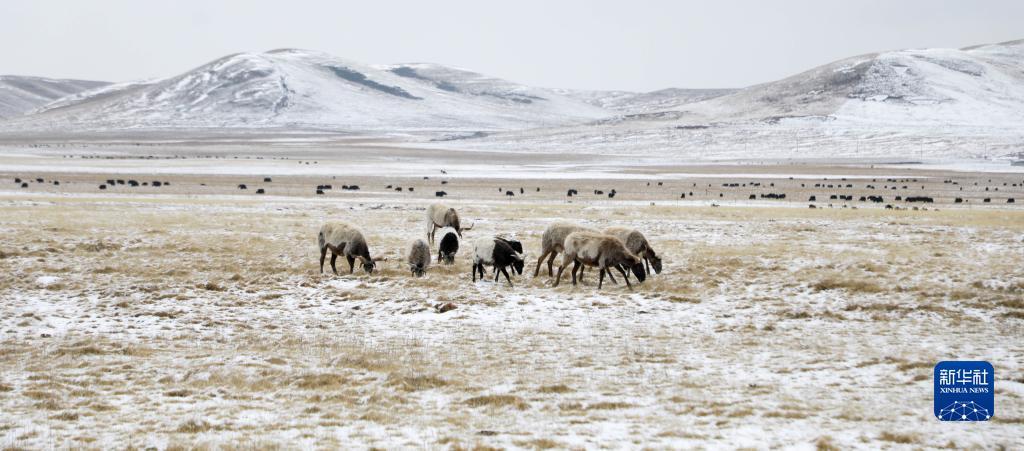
(201, 321)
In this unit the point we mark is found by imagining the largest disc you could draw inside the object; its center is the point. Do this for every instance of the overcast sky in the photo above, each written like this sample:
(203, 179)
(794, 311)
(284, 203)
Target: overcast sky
(595, 44)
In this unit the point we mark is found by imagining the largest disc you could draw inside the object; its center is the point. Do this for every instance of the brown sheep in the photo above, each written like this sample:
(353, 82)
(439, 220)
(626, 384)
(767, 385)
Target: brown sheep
(601, 251)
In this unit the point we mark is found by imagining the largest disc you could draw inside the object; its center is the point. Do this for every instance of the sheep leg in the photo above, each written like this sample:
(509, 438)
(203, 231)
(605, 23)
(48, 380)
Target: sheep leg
(600, 280)
(623, 271)
(474, 271)
(334, 258)
(647, 264)
(323, 255)
(610, 276)
(505, 272)
(551, 262)
(576, 265)
(539, 262)
(559, 278)
(351, 264)
(496, 274)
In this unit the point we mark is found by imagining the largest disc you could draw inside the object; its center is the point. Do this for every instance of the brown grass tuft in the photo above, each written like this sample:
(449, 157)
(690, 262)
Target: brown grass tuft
(327, 381)
(497, 401)
(851, 285)
(559, 388)
(194, 427)
(897, 437)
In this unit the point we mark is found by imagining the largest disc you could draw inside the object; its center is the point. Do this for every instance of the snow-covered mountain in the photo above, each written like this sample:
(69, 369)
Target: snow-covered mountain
(982, 85)
(906, 104)
(301, 89)
(19, 95)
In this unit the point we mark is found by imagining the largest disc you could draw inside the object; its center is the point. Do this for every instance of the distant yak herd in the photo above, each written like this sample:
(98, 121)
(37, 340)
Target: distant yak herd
(618, 248)
(889, 184)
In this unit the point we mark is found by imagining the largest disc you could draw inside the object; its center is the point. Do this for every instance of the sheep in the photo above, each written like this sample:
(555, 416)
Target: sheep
(637, 243)
(517, 246)
(604, 252)
(344, 238)
(493, 251)
(449, 246)
(419, 257)
(552, 243)
(439, 216)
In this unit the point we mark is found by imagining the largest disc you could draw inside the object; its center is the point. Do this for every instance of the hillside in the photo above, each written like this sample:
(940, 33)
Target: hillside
(301, 89)
(20, 95)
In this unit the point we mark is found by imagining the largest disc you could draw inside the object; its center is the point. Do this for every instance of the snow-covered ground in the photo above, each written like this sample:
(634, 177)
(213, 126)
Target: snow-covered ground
(199, 318)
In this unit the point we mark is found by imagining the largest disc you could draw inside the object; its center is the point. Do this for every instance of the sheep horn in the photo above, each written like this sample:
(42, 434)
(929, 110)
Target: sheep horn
(463, 229)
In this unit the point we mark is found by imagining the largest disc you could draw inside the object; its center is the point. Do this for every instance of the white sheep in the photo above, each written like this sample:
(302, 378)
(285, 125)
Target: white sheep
(440, 216)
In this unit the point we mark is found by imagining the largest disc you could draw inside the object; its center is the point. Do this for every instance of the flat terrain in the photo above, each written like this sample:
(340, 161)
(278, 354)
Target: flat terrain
(194, 314)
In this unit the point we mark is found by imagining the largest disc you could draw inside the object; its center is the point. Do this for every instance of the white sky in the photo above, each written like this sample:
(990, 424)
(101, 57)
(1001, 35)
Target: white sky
(596, 44)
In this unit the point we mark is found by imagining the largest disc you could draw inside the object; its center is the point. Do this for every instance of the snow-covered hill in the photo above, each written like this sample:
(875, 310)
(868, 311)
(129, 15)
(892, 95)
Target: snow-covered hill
(20, 95)
(301, 89)
(904, 105)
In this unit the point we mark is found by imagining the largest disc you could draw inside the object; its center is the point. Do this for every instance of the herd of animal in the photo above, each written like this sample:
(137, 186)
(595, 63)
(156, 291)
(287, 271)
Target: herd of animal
(623, 249)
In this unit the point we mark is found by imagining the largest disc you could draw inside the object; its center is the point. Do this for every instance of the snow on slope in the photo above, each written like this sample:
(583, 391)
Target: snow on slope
(627, 102)
(297, 89)
(20, 95)
(901, 105)
(978, 86)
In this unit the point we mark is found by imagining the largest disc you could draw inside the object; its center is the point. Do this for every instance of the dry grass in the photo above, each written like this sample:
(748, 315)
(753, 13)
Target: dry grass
(497, 401)
(896, 437)
(416, 383)
(185, 302)
(558, 388)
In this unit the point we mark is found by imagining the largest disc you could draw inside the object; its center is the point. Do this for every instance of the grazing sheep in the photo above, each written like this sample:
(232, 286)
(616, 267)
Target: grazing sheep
(440, 193)
(637, 243)
(242, 186)
(439, 216)
(419, 257)
(602, 251)
(552, 243)
(449, 246)
(492, 251)
(344, 238)
(517, 246)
